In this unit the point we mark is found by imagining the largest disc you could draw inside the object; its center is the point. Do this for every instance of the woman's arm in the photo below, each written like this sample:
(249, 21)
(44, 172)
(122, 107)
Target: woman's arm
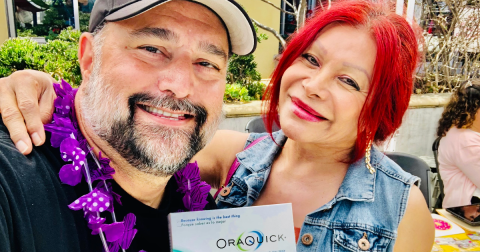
(216, 158)
(26, 103)
(416, 232)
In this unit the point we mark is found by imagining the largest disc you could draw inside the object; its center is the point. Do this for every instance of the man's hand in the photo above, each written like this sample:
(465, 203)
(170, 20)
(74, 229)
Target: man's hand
(26, 103)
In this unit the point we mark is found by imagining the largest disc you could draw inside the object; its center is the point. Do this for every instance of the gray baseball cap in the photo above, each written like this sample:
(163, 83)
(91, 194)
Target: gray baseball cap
(240, 30)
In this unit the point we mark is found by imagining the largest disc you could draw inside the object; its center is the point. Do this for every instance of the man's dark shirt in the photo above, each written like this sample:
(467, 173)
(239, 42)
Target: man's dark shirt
(33, 206)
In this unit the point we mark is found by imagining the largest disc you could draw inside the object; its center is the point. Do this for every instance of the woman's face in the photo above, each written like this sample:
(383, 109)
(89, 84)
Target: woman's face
(323, 91)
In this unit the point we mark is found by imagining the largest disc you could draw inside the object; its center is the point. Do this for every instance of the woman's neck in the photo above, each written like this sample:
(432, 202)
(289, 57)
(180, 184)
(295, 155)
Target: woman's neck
(311, 159)
(476, 126)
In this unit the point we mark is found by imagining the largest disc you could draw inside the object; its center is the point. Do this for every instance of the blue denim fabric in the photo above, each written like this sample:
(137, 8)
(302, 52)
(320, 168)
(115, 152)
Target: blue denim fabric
(371, 204)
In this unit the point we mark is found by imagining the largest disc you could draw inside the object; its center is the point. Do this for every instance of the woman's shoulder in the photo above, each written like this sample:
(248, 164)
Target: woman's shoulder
(456, 137)
(260, 150)
(391, 170)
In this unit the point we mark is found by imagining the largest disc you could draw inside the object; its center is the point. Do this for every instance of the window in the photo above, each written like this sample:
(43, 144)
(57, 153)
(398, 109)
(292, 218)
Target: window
(288, 23)
(47, 18)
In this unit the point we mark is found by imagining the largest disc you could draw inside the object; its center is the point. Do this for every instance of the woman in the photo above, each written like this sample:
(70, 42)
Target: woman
(458, 153)
(343, 83)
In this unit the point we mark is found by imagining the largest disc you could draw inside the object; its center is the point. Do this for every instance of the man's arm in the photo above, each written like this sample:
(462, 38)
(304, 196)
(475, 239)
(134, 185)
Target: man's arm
(26, 103)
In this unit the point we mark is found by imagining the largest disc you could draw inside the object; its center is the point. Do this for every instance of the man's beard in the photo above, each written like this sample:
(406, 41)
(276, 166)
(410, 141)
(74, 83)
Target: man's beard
(149, 147)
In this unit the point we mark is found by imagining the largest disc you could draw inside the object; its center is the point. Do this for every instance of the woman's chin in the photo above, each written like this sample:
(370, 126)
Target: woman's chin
(297, 133)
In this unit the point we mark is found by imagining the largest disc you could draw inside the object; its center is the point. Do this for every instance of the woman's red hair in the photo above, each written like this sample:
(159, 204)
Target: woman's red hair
(392, 80)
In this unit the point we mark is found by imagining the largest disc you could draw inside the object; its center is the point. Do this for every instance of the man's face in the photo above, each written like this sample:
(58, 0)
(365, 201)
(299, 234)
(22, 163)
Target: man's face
(155, 91)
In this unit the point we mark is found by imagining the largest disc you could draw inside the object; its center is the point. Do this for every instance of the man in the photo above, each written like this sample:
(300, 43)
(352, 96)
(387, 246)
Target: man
(151, 97)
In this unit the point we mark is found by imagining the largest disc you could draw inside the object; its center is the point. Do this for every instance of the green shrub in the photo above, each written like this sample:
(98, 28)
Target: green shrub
(243, 69)
(243, 77)
(57, 57)
(250, 92)
(236, 92)
(18, 53)
(70, 35)
(256, 90)
(25, 33)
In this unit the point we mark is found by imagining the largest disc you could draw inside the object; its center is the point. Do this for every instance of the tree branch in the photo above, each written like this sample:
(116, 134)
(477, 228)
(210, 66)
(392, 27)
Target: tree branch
(301, 14)
(271, 30)
(278, 8)
(291, 5)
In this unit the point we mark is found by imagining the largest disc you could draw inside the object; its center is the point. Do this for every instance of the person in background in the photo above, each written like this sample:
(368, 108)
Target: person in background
(459, 149)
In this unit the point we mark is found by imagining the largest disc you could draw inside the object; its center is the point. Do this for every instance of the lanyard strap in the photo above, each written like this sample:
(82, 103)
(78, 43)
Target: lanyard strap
(235, 166)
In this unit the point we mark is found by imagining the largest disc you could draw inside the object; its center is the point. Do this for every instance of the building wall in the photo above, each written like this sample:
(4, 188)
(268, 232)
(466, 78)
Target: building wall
(3, 22)
(267, 49)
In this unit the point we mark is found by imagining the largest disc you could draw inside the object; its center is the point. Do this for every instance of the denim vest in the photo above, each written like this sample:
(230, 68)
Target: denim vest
(366, 204)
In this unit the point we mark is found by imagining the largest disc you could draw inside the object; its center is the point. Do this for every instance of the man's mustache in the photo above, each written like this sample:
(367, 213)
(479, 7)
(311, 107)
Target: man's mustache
(168, 102)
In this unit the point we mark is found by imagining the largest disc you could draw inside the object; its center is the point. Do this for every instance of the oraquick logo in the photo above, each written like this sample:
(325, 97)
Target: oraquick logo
(249, 241)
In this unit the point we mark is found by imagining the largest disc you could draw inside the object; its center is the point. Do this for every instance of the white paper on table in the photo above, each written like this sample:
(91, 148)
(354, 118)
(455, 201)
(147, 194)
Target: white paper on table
(444, 226)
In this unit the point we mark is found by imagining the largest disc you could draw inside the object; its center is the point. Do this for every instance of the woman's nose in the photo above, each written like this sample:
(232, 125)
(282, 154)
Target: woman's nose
(317, 85)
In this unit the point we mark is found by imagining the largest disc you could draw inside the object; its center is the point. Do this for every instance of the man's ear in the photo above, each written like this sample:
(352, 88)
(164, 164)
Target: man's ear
(85, 54)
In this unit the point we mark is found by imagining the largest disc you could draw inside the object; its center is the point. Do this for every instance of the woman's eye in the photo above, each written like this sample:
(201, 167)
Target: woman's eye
(208, 65)
(312, 60)
(350, 82)
(151, 49)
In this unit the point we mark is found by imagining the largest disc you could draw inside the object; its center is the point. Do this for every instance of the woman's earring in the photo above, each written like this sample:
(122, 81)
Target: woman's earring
(367, 158)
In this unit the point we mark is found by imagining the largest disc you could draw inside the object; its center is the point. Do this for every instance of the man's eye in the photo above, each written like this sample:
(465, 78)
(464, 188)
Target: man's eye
(350, 82)
(312, 60)
(150, 49)
(208, 65)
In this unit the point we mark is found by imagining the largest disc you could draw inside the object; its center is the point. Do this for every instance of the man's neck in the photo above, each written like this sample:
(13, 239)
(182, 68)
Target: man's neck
(146, 188)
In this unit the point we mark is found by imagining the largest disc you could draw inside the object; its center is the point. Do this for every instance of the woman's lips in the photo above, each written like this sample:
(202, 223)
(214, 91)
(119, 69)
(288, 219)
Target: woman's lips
(303, 111)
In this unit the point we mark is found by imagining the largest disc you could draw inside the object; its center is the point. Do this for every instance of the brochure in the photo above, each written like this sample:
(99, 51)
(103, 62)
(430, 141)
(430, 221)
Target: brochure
(259, 228)
(444, 227)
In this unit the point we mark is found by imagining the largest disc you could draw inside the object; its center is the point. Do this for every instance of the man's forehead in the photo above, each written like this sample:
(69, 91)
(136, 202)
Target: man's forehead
(227, 16)
(181, 9)
(166, 21)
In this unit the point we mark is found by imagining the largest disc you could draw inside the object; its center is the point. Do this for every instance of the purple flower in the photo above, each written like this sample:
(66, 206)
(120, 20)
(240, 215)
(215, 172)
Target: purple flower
(63, 124)
(188, 177)
(196, 200)
(130, 232)
(61, 129)
(71, 174)
(65, 100)
(95, 201)
(109, 191)
(125, 240)
(195, 190)
(106, 170)
(113, 231)
(94, 221)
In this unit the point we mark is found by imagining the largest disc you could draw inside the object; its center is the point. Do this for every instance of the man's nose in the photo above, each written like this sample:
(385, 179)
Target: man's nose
(178, 78)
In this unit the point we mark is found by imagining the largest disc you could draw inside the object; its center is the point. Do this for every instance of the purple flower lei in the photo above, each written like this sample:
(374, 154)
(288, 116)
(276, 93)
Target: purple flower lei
(75, 149)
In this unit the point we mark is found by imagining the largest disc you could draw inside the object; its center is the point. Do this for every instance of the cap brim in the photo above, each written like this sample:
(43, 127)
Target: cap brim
(239, 26)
